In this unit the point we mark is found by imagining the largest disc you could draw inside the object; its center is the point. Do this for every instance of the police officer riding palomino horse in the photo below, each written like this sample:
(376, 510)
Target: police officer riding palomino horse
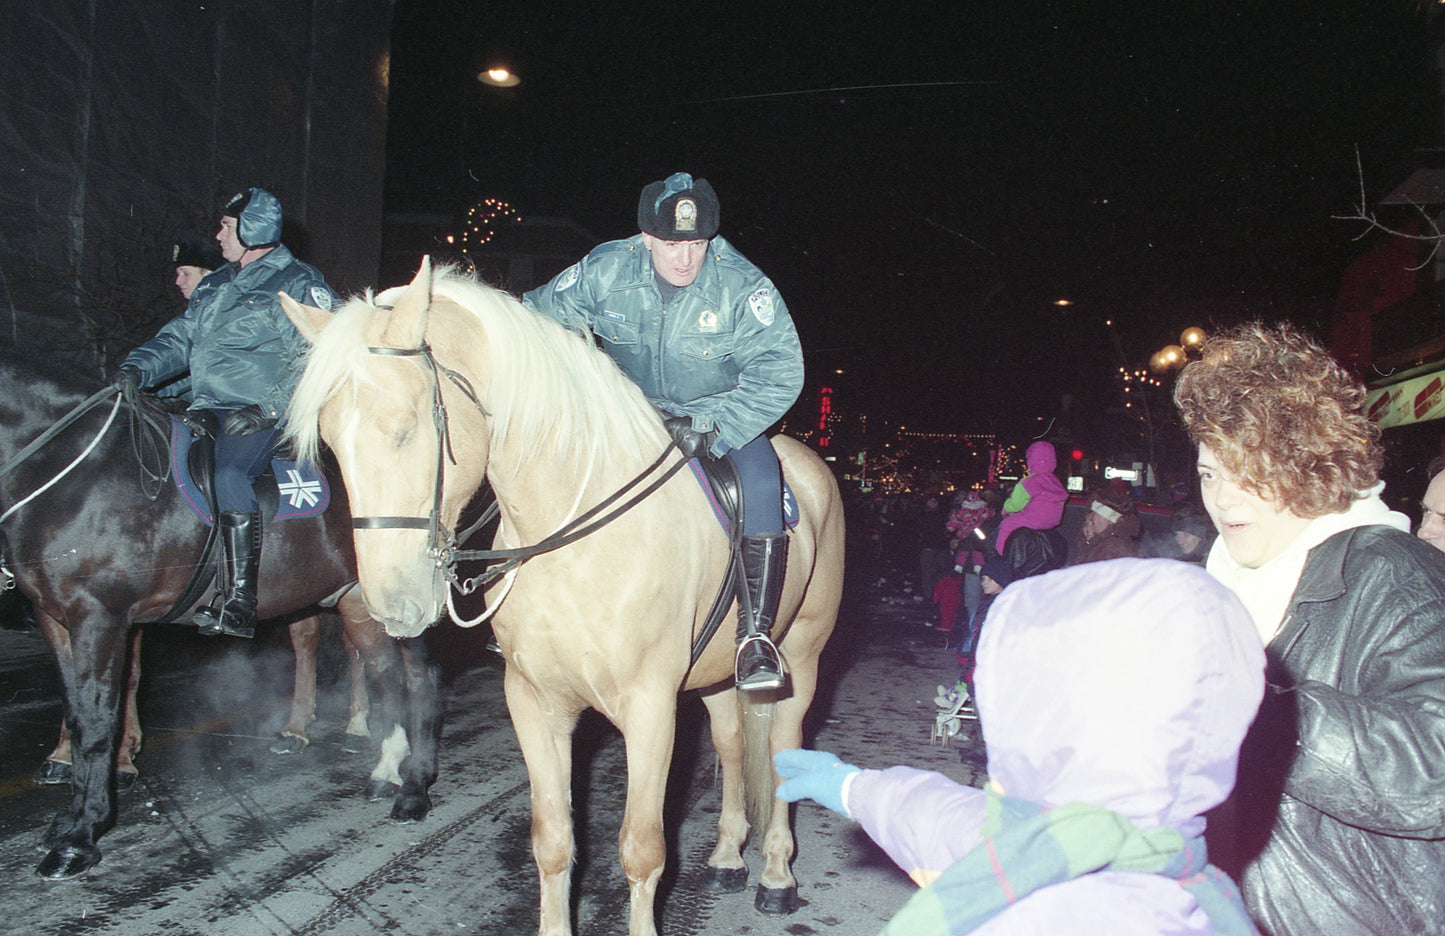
(708, 339)
(240, 349)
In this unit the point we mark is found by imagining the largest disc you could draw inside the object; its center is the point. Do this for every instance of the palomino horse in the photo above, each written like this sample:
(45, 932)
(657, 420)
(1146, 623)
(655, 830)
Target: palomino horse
(96, 554)
(449, 381)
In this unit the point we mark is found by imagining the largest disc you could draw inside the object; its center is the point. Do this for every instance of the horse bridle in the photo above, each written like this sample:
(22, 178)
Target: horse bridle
(432, 522)
(442, 544)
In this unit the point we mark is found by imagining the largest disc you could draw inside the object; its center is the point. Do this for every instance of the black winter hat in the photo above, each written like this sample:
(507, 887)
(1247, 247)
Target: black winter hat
(678, 209)
(196, 252)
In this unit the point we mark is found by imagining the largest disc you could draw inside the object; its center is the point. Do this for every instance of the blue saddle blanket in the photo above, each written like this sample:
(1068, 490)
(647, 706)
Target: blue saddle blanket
(302, 489)
(790, 503)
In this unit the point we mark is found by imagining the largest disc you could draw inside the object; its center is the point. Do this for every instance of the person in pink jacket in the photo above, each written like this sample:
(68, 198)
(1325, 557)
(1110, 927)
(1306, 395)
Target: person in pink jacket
(1113, 699)
(1037, 501)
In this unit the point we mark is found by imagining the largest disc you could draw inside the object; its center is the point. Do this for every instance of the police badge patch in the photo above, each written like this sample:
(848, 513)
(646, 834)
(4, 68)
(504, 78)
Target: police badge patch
(568, 277)
(761, 302)
(685, 216)
(321, 297)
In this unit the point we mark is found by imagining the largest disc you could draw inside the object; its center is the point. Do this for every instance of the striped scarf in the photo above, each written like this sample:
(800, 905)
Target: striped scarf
(1026, 848)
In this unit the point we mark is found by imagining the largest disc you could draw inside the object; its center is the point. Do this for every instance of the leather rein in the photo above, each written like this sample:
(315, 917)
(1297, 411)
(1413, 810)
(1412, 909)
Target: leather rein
(442, 543)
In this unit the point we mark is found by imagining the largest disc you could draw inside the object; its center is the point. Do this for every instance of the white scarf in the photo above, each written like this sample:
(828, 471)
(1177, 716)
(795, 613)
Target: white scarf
(1266, 591)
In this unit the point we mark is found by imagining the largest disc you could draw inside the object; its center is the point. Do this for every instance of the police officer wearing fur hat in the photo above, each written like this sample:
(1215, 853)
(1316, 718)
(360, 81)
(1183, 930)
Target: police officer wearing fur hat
(708, 339)
(240, 349)
(194, 259)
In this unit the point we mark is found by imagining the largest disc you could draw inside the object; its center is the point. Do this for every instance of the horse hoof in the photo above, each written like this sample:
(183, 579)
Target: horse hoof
(68, 862)
(410, 808)
(290, 744)
(355, 744)
(53, 772)
(776, 901)
(725, 880)
(381, 789)
(125, 780)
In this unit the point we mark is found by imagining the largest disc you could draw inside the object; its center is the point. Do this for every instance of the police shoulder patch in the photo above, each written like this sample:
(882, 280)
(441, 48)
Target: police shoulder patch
(321, 297)
(761, 302)
(568, 277)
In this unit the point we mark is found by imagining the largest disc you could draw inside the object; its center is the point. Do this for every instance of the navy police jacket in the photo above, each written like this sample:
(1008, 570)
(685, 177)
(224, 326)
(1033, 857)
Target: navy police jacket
(234, 337)
(724, 351)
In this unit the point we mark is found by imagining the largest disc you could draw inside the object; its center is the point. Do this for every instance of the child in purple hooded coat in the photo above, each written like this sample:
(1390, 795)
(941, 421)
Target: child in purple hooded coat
(1113, 699)
(1037, 501)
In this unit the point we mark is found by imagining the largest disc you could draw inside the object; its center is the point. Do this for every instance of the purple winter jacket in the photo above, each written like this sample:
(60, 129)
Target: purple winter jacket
(1128, 684)
(1045, 509)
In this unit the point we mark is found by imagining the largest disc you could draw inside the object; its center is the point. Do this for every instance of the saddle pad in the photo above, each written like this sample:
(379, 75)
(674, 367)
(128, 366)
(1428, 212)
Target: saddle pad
(302, 489)
(790, 503)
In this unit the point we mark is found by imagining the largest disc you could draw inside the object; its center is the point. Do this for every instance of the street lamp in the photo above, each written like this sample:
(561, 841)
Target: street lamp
(498, 77)
(1175, 356)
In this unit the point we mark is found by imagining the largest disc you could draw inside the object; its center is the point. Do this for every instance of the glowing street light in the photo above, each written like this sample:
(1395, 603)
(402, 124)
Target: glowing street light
(1175, 356)
(498, 77)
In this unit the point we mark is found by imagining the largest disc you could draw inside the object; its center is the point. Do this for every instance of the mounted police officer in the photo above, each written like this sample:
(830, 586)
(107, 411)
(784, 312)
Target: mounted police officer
(241, 350)
(708, 339)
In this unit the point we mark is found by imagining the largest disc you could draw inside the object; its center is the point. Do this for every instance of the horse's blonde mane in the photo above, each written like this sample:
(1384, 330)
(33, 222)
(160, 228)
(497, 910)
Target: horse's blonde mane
(550, 391)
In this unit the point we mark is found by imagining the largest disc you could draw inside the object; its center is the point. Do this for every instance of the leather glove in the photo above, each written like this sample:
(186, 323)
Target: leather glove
(814, 775)
(689, 441)
(247, 420)
(127, 379)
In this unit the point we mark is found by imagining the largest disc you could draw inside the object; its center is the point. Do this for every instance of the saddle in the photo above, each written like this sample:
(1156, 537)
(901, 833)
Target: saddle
(305, 492)
(287, 490)
(720, 482)
(723, 487)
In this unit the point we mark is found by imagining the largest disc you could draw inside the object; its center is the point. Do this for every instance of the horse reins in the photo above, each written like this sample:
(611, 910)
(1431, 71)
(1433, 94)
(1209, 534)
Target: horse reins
(446, 555)
(60, 426)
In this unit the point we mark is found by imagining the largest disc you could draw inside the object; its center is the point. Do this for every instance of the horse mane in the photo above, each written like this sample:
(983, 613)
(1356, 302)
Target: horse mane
(549, 391)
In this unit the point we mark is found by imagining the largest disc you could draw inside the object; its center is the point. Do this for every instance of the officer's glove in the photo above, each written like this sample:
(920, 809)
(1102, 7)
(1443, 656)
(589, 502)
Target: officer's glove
(814, 775)
(127, 380)
(689, 441)
(247, 420)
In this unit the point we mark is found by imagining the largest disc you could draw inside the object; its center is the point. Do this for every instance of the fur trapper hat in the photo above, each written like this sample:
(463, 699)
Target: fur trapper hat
(678, 209)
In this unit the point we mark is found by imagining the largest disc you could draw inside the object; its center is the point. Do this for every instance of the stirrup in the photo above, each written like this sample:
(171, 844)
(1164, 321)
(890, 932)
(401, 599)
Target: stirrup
(208, 616)
(765, 668)
(212, 620)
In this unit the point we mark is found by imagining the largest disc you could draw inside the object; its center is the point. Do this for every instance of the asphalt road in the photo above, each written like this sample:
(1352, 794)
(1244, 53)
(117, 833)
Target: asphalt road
(220, 836)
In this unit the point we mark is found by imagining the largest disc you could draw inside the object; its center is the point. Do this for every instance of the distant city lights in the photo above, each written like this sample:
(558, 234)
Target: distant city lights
(482, 219)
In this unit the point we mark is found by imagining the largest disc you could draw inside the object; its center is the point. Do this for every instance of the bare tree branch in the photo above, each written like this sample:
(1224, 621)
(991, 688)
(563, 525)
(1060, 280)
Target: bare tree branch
(1373, 223)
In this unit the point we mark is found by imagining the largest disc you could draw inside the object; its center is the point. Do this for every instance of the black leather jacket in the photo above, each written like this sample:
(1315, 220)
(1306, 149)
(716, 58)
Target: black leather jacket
(1349, 748)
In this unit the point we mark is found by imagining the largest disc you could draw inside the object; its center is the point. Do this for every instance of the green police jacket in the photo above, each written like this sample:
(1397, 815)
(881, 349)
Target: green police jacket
(234, 337)
(723, 351)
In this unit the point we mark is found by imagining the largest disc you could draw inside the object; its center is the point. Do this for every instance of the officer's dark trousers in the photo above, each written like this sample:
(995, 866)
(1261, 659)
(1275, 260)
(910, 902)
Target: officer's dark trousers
(239, 459)
(762, 487)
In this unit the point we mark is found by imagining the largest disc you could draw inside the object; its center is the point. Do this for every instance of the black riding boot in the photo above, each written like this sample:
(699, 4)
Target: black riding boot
(241, 540)
(765, 559)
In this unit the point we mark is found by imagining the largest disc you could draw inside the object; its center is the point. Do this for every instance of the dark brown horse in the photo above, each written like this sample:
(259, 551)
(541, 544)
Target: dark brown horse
(305, 641)
(97, 552)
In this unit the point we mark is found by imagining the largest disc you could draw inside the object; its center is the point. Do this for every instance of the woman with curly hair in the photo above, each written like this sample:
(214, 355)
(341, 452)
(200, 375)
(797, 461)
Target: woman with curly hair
(1340, 806)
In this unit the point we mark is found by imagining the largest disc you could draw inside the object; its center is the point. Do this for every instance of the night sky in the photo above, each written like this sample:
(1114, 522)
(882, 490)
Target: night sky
(922, 180)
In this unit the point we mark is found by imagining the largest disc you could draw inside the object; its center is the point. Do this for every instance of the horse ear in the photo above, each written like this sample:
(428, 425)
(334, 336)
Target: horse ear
(406, 328)
(308, 320)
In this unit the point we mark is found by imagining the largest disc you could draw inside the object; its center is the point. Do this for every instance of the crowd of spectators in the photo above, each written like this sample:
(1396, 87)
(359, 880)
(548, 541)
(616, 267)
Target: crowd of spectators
(1114, 691)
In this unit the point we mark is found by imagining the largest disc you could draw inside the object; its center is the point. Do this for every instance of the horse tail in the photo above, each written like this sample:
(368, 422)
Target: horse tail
(759, 791)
